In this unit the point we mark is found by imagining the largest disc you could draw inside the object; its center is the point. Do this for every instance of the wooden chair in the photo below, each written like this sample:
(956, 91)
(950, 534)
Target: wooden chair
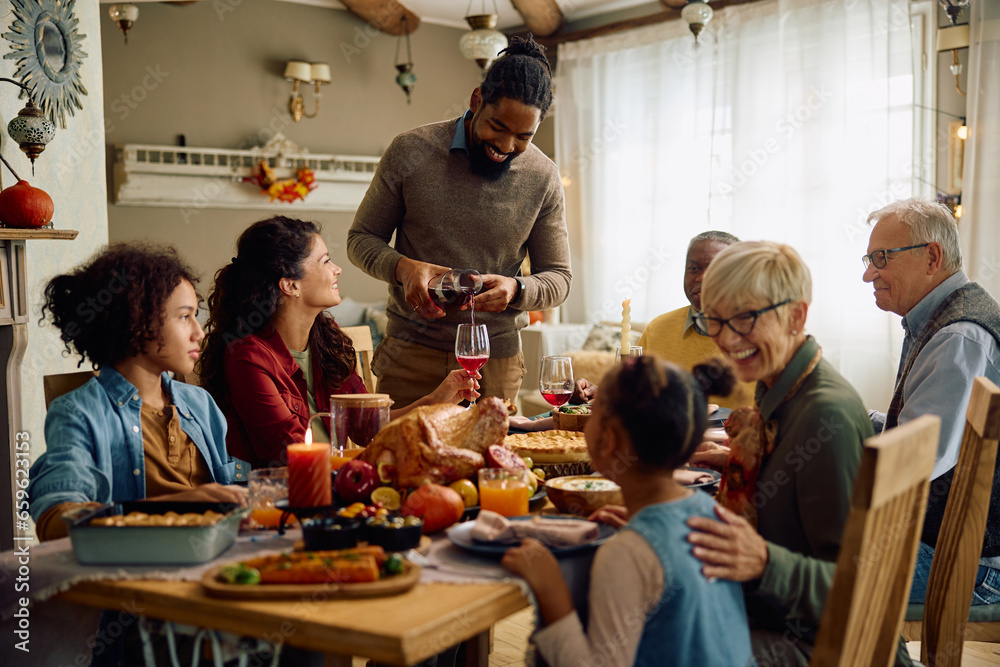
(946, 617)
(865, 605)
(362, 338)
(58, 384)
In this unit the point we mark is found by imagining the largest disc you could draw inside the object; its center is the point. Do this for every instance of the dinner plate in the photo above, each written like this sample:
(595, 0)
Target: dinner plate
(472, 512)
(388, 586)
(716, 476)
(459, 534)
(718, 418)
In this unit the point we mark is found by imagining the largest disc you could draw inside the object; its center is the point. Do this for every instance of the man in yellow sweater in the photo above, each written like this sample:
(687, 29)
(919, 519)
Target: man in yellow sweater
(674, 337)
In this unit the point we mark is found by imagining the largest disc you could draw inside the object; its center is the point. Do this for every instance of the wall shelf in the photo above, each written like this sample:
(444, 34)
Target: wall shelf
(199, 178)
(14, 234)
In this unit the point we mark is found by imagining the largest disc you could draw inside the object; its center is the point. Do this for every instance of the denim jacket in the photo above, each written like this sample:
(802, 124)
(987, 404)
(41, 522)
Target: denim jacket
(93, 439)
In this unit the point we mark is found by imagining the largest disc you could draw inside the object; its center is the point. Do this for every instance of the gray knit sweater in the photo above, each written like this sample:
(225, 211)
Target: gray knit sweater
(442, 213)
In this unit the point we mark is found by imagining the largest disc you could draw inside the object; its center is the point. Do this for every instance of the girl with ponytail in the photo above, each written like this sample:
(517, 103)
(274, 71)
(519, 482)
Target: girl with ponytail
(648, 598)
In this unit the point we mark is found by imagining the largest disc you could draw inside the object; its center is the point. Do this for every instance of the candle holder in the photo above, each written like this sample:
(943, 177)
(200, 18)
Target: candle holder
(633, 351)
(302, 513)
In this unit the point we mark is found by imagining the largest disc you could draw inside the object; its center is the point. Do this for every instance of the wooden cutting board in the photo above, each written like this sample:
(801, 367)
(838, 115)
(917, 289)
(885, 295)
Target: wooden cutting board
(389, 586)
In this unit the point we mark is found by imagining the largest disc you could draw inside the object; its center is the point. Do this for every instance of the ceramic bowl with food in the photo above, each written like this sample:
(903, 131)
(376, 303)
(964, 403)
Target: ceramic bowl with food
(327, 533)
(394, 532)
(571, 417)
(583, 494)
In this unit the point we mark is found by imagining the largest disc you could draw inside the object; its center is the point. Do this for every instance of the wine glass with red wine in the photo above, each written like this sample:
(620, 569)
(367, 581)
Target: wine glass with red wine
(472, 348)
(555, 380)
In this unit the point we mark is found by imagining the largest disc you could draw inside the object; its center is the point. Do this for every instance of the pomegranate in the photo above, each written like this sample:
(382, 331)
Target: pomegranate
(22, 205)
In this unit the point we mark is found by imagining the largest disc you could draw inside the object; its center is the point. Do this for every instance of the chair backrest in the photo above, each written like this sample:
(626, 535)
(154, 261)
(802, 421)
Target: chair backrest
(56, 385)
(362, 338)
(960, 540)
(865, 606)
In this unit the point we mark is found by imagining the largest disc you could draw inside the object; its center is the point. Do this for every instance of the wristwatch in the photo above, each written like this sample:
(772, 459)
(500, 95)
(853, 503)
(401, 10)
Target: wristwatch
(520, 288)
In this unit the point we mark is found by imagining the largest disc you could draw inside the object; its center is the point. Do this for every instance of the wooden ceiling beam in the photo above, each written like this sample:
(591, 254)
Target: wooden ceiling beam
(628, 24)
(541, 17)
(386, 15)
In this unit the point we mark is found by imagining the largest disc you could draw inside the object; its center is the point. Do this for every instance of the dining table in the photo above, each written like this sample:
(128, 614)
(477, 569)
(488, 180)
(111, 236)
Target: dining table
(398, 630)
(460, 596)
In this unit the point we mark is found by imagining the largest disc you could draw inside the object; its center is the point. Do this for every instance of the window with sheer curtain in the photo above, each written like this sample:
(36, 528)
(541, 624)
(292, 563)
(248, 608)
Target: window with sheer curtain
(791, 122)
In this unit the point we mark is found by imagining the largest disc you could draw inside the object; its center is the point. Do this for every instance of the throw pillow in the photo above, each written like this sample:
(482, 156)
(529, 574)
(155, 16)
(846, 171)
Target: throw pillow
(607, 338)
(376, 320)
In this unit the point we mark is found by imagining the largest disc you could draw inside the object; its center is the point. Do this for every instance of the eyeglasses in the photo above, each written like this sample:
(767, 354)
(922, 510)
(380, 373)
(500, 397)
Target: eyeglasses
(743, 323)
(878, 257)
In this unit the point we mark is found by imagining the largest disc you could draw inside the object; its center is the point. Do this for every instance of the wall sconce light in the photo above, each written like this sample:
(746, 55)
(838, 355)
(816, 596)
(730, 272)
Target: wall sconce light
(124, 14)
(697, 13)
(30, 129)
(483, 43)
(303, 72)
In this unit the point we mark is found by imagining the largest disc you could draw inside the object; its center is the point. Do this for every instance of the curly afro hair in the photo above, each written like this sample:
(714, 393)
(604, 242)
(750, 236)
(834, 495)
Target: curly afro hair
(111, 308)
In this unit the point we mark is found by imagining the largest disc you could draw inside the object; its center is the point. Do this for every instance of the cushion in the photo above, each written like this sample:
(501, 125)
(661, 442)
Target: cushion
(376, 320)
(349, 313)
(606, 338)
(591, 364)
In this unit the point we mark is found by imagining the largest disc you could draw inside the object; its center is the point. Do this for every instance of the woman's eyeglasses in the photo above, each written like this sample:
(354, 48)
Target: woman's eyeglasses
(878, 257)
(742, 323)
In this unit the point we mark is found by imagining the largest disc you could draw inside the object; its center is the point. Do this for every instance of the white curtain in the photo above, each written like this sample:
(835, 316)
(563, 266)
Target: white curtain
(980, 224)
(791, 122)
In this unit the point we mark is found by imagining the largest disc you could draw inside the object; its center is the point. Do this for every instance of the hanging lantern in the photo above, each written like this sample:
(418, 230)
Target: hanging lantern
(484, 42)
(124, 14)
(406, 79)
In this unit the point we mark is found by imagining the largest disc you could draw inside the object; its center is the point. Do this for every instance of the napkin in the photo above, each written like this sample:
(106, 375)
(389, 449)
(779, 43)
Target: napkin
(492, 527)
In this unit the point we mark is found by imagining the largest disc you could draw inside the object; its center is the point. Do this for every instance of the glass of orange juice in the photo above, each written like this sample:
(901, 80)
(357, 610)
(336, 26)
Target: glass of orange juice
(341, 455)
(504, 490)
(266, 486)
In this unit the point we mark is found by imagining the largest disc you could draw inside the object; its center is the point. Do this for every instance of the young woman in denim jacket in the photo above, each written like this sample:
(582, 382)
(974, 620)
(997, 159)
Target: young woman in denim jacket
(131, 432)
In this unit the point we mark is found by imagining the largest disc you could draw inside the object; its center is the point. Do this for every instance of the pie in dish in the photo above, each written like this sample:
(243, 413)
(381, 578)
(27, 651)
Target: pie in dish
(554, 446)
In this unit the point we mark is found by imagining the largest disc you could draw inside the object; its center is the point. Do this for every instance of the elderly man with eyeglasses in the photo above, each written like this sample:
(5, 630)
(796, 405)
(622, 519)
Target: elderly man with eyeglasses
(952, 335)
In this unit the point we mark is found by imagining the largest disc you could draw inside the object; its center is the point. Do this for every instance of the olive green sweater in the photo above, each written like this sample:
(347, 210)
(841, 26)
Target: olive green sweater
(424, 193)
(804, 493)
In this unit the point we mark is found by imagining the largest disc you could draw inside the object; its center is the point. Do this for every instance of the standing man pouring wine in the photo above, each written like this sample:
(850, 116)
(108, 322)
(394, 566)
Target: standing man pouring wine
(470, 193)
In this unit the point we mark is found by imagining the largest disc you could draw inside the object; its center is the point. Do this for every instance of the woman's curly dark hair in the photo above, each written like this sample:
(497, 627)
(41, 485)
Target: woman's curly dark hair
(662, 407)
(246, 297)
(522, 73)
(111, 308)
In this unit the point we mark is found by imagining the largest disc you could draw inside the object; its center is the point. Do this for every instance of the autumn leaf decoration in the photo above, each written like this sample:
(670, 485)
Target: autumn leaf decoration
(287, 190)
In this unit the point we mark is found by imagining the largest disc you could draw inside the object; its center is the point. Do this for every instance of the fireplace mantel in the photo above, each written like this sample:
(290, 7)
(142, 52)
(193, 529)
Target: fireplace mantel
(13, 343)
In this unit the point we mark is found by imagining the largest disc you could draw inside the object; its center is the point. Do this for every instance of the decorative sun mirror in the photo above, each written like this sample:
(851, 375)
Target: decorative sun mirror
(48, 52)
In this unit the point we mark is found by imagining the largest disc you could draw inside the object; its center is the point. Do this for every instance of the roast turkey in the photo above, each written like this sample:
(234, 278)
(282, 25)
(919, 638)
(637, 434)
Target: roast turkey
(437, 443)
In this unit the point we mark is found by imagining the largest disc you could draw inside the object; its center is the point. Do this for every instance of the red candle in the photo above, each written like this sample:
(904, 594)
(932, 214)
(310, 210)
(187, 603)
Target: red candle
(309, 473)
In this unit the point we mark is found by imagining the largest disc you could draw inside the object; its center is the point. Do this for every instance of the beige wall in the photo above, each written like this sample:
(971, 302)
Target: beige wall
(71, 170)
(216, 77)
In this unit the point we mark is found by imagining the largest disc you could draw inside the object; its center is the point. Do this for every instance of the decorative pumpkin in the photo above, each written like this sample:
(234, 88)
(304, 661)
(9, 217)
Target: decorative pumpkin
(22, 205)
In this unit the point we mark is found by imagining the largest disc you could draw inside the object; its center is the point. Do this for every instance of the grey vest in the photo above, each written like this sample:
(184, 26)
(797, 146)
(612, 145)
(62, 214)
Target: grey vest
(969, 303)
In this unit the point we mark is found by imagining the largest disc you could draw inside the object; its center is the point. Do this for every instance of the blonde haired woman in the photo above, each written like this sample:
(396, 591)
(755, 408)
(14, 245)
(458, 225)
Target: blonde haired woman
(755, 299)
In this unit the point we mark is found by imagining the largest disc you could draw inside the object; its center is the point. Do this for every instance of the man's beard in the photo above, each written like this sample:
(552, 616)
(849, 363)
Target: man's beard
(480, 163)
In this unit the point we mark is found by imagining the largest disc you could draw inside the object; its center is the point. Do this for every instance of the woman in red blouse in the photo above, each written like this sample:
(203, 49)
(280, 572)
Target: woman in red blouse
(273, 356)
